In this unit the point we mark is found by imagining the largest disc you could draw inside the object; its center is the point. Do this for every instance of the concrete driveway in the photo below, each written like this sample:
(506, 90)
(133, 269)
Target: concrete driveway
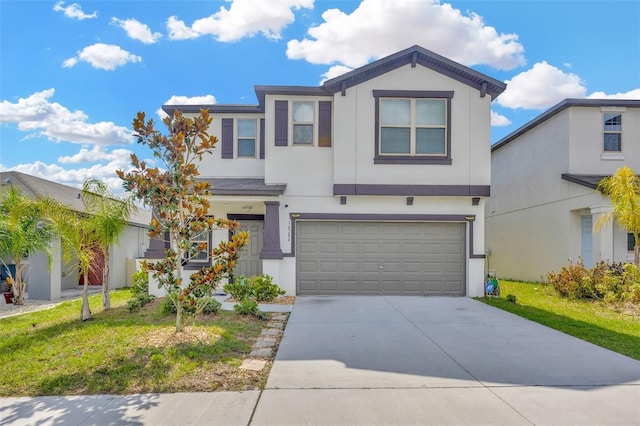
(395, 360)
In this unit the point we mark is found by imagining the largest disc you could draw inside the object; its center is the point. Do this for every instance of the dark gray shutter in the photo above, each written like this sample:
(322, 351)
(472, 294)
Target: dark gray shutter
(282, 123)
(324, 123)
(262, 138)
(227, 138)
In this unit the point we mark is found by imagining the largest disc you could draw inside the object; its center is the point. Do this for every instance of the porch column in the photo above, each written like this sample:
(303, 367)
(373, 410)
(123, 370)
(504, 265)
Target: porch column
(271, 245)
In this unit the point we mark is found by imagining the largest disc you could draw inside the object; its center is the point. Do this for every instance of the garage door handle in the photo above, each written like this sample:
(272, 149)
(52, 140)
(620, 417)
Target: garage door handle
(380, 267)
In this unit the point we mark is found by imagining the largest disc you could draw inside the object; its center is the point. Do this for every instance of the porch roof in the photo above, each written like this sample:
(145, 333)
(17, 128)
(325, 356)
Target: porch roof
(243, 186)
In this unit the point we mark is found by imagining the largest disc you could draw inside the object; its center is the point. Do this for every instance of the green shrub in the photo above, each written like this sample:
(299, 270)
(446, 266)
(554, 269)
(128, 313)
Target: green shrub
(249, 306)
(260, 287)
(621, 283)
(211, 306)
(263, 288)
(239, 288)
(574, 281)
(139, 291)
(615, 282)
(511, 298)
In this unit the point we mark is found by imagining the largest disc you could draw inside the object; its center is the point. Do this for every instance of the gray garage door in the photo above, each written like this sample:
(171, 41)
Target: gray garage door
(380, 258)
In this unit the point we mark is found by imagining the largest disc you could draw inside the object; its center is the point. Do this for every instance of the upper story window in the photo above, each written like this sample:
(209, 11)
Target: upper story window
(413, 127)
(303, 118)
(612, 132)
(304, 123)
(242, 138)
(247, 138)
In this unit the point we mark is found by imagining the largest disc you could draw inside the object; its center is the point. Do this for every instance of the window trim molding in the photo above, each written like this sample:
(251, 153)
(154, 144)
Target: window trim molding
(411, 159)
(313, 123)
(611, 132)
(237, 138)
(195, 265)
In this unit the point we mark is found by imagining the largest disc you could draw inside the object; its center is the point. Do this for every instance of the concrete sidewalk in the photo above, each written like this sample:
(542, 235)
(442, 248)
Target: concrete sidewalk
(391, 361)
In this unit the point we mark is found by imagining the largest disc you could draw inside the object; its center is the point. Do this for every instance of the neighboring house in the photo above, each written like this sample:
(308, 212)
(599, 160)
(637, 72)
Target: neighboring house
(372, 183)
(544, 201)
(46, 282)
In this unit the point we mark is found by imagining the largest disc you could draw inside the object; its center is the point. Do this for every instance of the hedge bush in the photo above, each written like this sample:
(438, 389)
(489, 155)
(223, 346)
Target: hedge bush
(612, 282)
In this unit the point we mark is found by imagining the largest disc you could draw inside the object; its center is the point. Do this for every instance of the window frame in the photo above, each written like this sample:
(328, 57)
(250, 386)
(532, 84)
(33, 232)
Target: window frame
(255, 138)
(413, 96)
(631, 242)
(606, 132)
(312, 123)
(195, 263)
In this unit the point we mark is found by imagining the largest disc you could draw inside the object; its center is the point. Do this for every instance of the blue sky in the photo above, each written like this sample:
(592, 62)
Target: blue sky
(74, 75)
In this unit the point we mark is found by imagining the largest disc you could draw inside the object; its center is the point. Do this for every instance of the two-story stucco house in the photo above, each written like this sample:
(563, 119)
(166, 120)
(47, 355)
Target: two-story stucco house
(372, 183)
(544, 201)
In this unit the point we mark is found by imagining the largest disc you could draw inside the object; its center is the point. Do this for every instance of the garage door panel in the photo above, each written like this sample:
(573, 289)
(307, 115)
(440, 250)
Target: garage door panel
(346, 258)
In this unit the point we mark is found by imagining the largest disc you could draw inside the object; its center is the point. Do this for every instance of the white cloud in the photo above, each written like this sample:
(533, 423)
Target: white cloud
(179, 31)
(335, 71)
(73, 11)
(137, 30)
(103, 56)
(541, 87)
(76, 177)
(185, 100)
(243, 18)
(97, 154)
(631, 94)
(498, 120)
(380, 27)
(37, 115)
(68, 63)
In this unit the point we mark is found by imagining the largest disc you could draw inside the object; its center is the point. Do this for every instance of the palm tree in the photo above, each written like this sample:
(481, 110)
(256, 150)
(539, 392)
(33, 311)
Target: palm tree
(108, 215)
(624, 189)
(23, 231)
(79, 246)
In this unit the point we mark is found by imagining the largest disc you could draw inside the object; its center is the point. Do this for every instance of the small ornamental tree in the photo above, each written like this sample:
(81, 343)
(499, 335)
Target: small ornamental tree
(23, 231)
(181, 209)
(109, 215)
(80, 247)
(624, 190)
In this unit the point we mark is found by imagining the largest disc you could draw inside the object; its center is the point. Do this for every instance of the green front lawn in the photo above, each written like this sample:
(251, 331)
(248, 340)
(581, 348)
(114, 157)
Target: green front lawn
(52, 352)
(613, 327)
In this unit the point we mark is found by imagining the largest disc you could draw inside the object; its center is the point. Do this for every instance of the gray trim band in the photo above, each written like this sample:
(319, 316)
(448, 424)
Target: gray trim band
(413, 190)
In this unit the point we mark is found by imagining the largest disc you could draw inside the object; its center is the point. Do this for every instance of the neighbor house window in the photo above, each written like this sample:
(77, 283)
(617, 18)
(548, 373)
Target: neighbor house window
(303, 114)
(413, 127)
(246, 138)
(613, 132)
(631, 242)
(201, 243)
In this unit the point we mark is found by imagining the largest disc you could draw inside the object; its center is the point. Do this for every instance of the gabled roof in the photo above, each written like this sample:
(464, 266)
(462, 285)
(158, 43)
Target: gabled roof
(67, 195)
(417, 55)
(413, 55)
(561, 106)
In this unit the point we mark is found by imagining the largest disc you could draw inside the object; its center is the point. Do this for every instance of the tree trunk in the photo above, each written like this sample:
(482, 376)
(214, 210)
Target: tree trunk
(18, 288)
(636, 255)
(86, 312)
(106, 300)
(178, 315)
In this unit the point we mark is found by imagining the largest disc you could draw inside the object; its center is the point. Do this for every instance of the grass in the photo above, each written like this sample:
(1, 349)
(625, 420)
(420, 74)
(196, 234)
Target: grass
(610, 326)
(52, 352)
